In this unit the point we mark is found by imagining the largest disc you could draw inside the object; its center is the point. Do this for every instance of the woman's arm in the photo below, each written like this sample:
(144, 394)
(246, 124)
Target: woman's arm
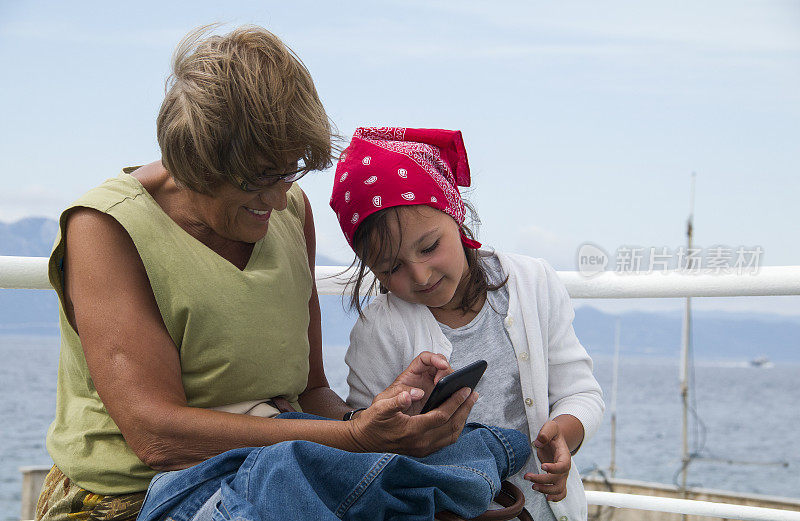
(133, 362)
(136, 371)
(318, 398)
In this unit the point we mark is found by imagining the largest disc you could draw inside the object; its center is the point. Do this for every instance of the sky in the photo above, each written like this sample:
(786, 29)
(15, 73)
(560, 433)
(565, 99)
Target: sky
(583, 120)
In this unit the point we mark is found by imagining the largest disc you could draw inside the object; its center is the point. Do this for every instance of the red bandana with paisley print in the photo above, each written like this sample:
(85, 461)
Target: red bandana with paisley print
(394, 166)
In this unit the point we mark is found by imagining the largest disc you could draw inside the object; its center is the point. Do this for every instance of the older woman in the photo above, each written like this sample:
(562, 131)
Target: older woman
(187, 294)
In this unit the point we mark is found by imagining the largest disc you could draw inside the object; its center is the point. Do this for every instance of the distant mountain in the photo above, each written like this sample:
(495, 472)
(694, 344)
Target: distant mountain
(716, 334)
(30, 237)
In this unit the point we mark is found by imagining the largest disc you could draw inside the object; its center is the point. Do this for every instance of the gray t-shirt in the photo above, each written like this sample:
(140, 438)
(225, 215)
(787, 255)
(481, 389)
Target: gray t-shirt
(486, 338)
(500, 402)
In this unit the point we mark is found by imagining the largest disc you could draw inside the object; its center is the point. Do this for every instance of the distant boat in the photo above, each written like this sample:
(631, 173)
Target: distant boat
(762, 362)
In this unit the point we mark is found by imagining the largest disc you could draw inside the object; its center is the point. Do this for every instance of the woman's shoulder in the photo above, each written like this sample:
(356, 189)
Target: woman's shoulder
(121, 205)
(94, 215)
(110, 193)
(97, 201)
(98, 209)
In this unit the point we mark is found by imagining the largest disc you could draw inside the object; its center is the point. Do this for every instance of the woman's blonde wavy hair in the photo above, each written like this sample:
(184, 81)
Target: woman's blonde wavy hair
(235, 102)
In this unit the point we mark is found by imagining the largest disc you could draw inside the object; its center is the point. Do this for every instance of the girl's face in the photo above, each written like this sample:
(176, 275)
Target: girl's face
(428, 266)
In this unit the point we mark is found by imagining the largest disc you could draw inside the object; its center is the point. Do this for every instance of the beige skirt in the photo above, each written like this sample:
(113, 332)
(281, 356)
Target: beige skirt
(62, 500)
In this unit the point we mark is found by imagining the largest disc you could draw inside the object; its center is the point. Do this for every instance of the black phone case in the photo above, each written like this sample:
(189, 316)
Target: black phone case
(467, 376)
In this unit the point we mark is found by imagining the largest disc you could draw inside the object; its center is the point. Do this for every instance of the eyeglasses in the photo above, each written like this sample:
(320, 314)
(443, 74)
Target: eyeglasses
(271, 179)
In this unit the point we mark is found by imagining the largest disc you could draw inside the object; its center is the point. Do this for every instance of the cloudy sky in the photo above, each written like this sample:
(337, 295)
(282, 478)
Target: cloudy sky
(583, 120)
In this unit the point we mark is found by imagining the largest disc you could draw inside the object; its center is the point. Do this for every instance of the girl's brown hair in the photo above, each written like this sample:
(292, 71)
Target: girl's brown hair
(373, 240)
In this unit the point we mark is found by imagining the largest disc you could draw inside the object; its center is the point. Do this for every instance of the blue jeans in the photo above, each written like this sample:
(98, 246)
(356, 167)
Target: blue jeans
(304, 480)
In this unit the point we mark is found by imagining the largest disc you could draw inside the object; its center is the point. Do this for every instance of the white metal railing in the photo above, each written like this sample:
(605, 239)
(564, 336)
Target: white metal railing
(772, 280)
(31, 273)
(24, 273)
(688, 506)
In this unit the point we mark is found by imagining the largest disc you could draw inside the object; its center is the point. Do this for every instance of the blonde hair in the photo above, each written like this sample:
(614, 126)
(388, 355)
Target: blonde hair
(234, 102)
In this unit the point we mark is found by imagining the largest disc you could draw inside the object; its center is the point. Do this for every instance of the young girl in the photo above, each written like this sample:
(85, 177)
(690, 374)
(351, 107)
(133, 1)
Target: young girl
(396, 198)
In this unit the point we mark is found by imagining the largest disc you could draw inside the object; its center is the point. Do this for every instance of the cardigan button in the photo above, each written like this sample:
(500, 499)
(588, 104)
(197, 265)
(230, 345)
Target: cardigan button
(509, 321)
(528, 402)
(523, 357)
(562, 518)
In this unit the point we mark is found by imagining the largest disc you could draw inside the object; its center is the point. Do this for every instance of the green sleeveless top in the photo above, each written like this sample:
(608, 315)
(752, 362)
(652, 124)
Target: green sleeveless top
(241, 334)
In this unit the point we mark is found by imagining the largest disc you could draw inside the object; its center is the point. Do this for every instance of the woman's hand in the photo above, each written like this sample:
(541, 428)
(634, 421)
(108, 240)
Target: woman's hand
(422, 374)
(553, 453)
(392, 422)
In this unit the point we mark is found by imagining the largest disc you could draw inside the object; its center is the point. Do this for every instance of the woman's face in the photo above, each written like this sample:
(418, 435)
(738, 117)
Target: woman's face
(429, 265)
(239, 215)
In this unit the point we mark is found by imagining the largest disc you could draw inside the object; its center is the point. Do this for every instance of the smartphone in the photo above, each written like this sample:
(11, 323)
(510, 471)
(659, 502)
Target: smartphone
(468, 376)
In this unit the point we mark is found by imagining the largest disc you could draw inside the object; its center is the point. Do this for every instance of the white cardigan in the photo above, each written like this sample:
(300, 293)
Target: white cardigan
(555, 370)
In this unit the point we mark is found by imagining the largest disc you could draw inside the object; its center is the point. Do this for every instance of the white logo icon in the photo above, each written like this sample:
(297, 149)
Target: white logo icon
(376, 201)
(354, 218)
(347, 196)
(344, 176)
(371, 179)
(408, 196)
(592, 260)
(402, 173)
(433, 199)
(366, 160)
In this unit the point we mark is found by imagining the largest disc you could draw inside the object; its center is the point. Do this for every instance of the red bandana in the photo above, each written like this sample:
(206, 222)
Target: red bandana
(392, 166)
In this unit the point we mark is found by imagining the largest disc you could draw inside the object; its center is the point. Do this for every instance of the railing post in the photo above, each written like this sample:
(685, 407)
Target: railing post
(32, 481)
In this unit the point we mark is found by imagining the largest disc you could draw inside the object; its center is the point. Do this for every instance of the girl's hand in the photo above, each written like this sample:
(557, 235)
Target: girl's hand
(553, 453)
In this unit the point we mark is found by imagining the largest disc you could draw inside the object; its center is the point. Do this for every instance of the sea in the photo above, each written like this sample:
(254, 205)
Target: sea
(744, 420)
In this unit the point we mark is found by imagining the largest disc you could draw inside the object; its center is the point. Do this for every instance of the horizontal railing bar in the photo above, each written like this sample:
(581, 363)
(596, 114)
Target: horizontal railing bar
(23, 273)
(770, 280)
(31, 273)
(689, 506)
